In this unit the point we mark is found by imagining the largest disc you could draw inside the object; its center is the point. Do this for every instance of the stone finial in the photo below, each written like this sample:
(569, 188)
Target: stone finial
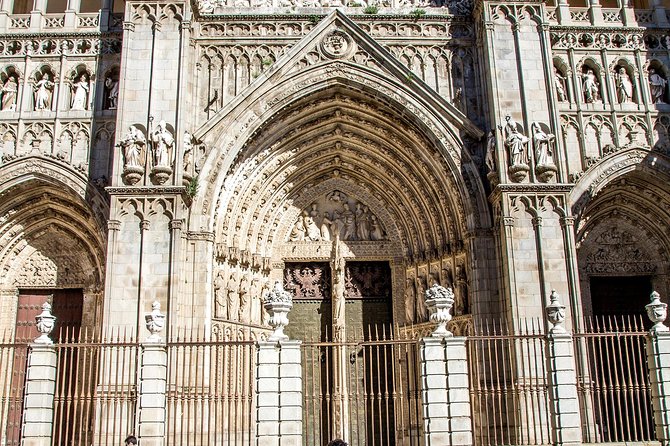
(657, 312)
(155, 322)
(278, 302)
(45, 322)
(439, 301)
(555, 313)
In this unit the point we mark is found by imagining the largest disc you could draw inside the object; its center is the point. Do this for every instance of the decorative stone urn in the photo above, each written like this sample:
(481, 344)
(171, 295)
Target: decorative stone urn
(161, 174)
(132, 174)
(657, 312)
(439, 301)
(45, 322)
(278, 303)
(155, 322)
(555, 312)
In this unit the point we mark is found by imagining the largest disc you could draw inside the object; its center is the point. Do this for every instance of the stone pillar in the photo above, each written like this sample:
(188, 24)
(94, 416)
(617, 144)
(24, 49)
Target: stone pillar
(279, 394)
(658, 361)
(444, 394)
(151, 399)
(39, 9)
(71, 13)
(38, 401)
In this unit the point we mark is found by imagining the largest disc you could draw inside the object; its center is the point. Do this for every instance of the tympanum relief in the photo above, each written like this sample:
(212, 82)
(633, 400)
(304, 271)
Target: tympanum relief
(337, 216)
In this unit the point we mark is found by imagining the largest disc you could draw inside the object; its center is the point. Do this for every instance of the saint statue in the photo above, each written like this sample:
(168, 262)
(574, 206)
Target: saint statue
(133, 144)
(80, 95)
(9, 90)
(112, 87)
(410, 298)
(490, 159)
(515, 142)
(542, 142)
(163, 143)
(590, 87)
(43, 90)
(560, 86)
(656, 86)
(188, 151)
(624, 86)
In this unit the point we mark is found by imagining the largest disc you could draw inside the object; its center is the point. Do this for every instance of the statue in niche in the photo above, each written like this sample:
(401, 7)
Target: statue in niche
(299, 231)
(132, 145)
(560, 86)
(219, 297)
(254, 292)
(188, 151)
(542, 142)
(43, 91)
(112, 87)
(326, 224)
(80, 91)
(314, 212)
(163, 144)
(244, 300)
(515, 142)
(656, 87)
(432, 280)
(410, 299)
(447, 278)
(232, 298)
(376, 231)
(624, 86)
(490, 159)
(9, 91)
(362, 222)
(590, 87)
(421, 309)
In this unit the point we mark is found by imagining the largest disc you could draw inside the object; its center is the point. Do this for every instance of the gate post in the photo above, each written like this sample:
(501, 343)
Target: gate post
(445, 391)
(565, 411)
(658, 360)
(40, 388)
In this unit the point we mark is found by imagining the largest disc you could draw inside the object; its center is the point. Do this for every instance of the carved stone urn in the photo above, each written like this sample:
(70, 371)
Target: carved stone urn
(45, 322)
(161, 174)
(132, 174)
(278, 303)
(518, 172)
(657, 312)
(155, 322)
(439, 301)
(555, 312)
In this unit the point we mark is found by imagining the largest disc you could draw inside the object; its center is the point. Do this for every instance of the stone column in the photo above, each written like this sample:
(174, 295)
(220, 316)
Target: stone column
(658, 360)
(39, 9)
(445, 394)
(565, 410)
(279, 394)
(73, 7)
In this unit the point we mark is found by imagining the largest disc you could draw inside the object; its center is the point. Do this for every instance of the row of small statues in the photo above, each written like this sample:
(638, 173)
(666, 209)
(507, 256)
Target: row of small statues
(517, 145)
(133, 146)
(241, 301)
(43, 93)
(359, 224)
(415, 291)
(624, 86)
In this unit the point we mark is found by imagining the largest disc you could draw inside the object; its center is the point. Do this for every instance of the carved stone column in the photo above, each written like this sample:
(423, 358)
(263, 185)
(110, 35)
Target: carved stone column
(340, 413)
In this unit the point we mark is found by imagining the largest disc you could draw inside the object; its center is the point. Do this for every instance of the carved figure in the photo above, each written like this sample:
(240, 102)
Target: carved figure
(43, 90)
(112, 87)
(490, 159)
(624, 86)
(243, 311)
(313, 231)
(560, 86)
(376, 231)
(133, 146)
(232, 299)
(188, 151)
(421, 309)
(542, 141)
(163, 143)
(255, 296)
(326, 224)
(515, 142)
(299, 231)
(265, 291)
(590, 87)
(80, 96)
(362, 222)
(656, 86)
(410, 299)
(219, 297)
(9, 90)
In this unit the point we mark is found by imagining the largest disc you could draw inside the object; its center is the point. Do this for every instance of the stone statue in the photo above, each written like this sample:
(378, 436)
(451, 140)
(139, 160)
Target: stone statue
(255, 295)
(490, 159)
(410, 299)
(656, 86)
(421, 309)
(245, 304)
(542, 142)
(112, 87)
(219, 297)
(188, 151)
(9, 91)
(80, 93)
(326, 223)
(265, 291)
(624, 86)
(590, 87)
(232, 298)
(376, 231)
(515, 142)
(299, 231)
(43, 90)
(163, 144)
(133, 144)
(313, 231)
(560, 86)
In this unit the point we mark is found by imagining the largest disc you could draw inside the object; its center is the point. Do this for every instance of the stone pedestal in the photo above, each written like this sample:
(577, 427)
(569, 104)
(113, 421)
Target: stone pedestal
(445, 394)
(279, 394)
(565, 412)
(151, 398)
(658, 360)
(38, 402)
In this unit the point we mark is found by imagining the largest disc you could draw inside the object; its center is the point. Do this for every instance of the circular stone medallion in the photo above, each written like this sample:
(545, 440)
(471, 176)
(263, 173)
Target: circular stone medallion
(337, 44)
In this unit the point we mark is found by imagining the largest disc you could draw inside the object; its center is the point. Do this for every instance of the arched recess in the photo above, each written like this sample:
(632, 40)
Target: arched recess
(623, 230)
(52, 238)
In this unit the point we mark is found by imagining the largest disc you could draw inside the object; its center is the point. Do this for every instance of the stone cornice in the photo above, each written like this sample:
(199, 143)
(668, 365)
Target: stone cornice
(310, 17)
(145, 190)
(68, 35)
(542, 189)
